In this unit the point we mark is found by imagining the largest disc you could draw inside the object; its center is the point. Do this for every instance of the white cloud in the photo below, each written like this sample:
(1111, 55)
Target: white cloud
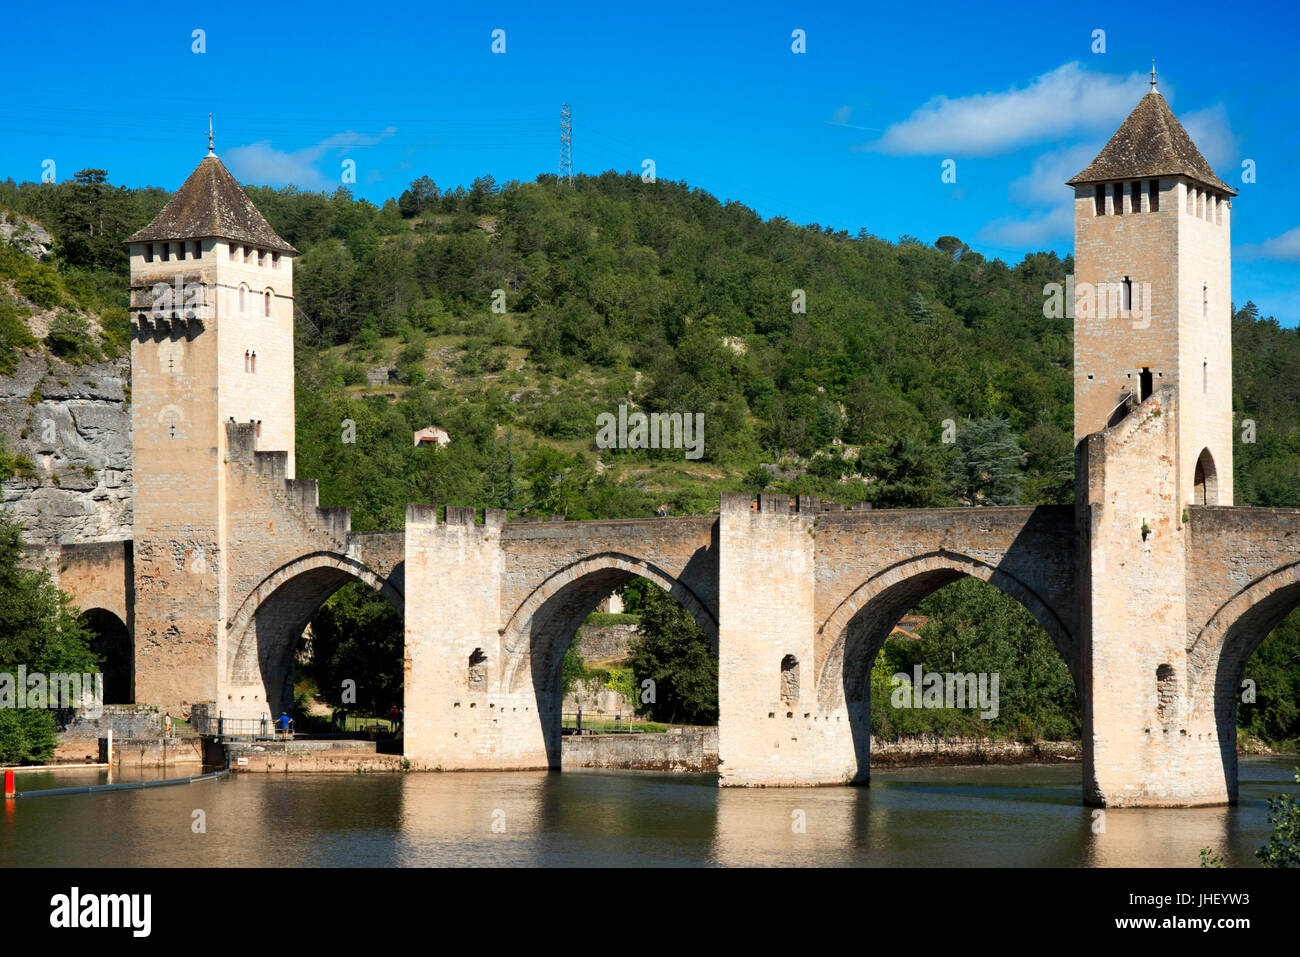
(1284, 247)
(1059, 103)
(1045, 182)
(1213, 136)
(1037, 231)
(262, 163)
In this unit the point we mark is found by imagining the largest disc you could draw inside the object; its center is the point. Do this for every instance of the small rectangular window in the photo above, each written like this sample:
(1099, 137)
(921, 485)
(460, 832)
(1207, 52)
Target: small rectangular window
(148, 252)
(1101, 201)
(1155, 196)
(275, 260)
(248, 252)
(1135, 194)
(1119, 199)
(164, 252)
(233, 248)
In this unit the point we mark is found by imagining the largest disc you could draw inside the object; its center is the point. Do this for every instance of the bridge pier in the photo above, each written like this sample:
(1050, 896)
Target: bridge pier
(771, 731)
(1142, 743)
(460, 713)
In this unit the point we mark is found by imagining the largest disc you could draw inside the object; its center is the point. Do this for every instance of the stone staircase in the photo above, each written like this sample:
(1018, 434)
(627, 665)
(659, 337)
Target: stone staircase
(300, 496)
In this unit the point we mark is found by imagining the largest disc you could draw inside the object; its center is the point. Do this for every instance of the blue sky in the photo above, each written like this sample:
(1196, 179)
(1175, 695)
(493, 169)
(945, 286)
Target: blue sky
(852, 133)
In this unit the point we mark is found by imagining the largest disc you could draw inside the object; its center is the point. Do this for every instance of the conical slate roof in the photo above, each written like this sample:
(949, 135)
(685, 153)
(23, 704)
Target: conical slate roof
(1151, 142)
(211, 203)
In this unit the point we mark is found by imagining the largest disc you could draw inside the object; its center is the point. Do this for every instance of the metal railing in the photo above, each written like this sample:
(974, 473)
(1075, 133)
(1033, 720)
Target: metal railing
(267, 728)
(256, 729)
(579, 722)
(1126, 405)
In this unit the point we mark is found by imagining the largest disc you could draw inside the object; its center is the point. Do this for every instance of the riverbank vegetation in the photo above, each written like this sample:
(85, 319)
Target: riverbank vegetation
(41, 634)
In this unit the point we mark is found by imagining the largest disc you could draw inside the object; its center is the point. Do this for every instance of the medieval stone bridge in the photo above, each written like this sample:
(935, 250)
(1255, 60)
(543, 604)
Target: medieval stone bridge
(792, 587)
(1154, 589)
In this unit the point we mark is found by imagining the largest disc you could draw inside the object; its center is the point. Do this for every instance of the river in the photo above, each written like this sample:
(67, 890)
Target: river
(1022, 815)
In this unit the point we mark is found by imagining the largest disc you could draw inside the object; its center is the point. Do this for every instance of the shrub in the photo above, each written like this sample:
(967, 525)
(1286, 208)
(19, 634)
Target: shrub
(14, 335)
(69, 336)
(41, 285)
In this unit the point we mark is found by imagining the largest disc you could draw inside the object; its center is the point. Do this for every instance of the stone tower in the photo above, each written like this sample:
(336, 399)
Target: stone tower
(1153, 429)
(212, 323)
(1153, 292)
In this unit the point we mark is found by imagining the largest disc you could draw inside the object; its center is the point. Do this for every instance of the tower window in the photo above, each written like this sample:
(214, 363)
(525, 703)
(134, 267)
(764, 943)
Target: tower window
(1205, 301)
(1205, 480)
(261, 257)
(1128, 294)
(148, 252)
(1205, 375)
(1166, 694)
(1135, 194)
(789, 680)
(477, 673)
(233, 249)
(243, 299)
(275, 260)
(246, 355)
(164, 249)
(248, 253)
(1100, 201)
(1145, 383)
(266, 304)
(1119, 199)
(1155, 196)
(252, 362)
(198, 249)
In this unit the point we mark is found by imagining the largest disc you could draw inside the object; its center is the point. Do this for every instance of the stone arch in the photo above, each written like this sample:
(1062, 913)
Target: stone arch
(112, 642)
(538, 634)
(602, 572)
(859, 624)
(1219, 652)
(1205, 482)
(1217, 658)
(263, 632)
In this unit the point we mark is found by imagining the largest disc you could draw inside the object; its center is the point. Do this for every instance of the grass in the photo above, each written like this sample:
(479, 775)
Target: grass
(610, 726)
(601, 619)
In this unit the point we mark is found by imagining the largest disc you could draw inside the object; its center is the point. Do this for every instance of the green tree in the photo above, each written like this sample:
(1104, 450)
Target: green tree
(420, 197)
(41, 632)
(904, 473)
(1283, 847)
(985, 467)
(357, 636)
(672, 651)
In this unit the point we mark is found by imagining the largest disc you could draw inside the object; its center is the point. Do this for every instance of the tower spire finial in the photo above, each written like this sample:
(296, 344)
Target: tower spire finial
(1153, 74)
(210, 150)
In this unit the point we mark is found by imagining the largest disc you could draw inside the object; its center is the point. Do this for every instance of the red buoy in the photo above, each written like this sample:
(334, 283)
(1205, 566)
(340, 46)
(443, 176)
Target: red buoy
(9, 782)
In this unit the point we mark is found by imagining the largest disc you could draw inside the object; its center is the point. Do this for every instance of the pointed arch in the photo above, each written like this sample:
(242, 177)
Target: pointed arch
(866, 615)
(1205, 482)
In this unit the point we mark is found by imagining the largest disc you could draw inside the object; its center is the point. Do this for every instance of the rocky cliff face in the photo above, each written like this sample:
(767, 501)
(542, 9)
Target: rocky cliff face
(29, 236)
(71, 427)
